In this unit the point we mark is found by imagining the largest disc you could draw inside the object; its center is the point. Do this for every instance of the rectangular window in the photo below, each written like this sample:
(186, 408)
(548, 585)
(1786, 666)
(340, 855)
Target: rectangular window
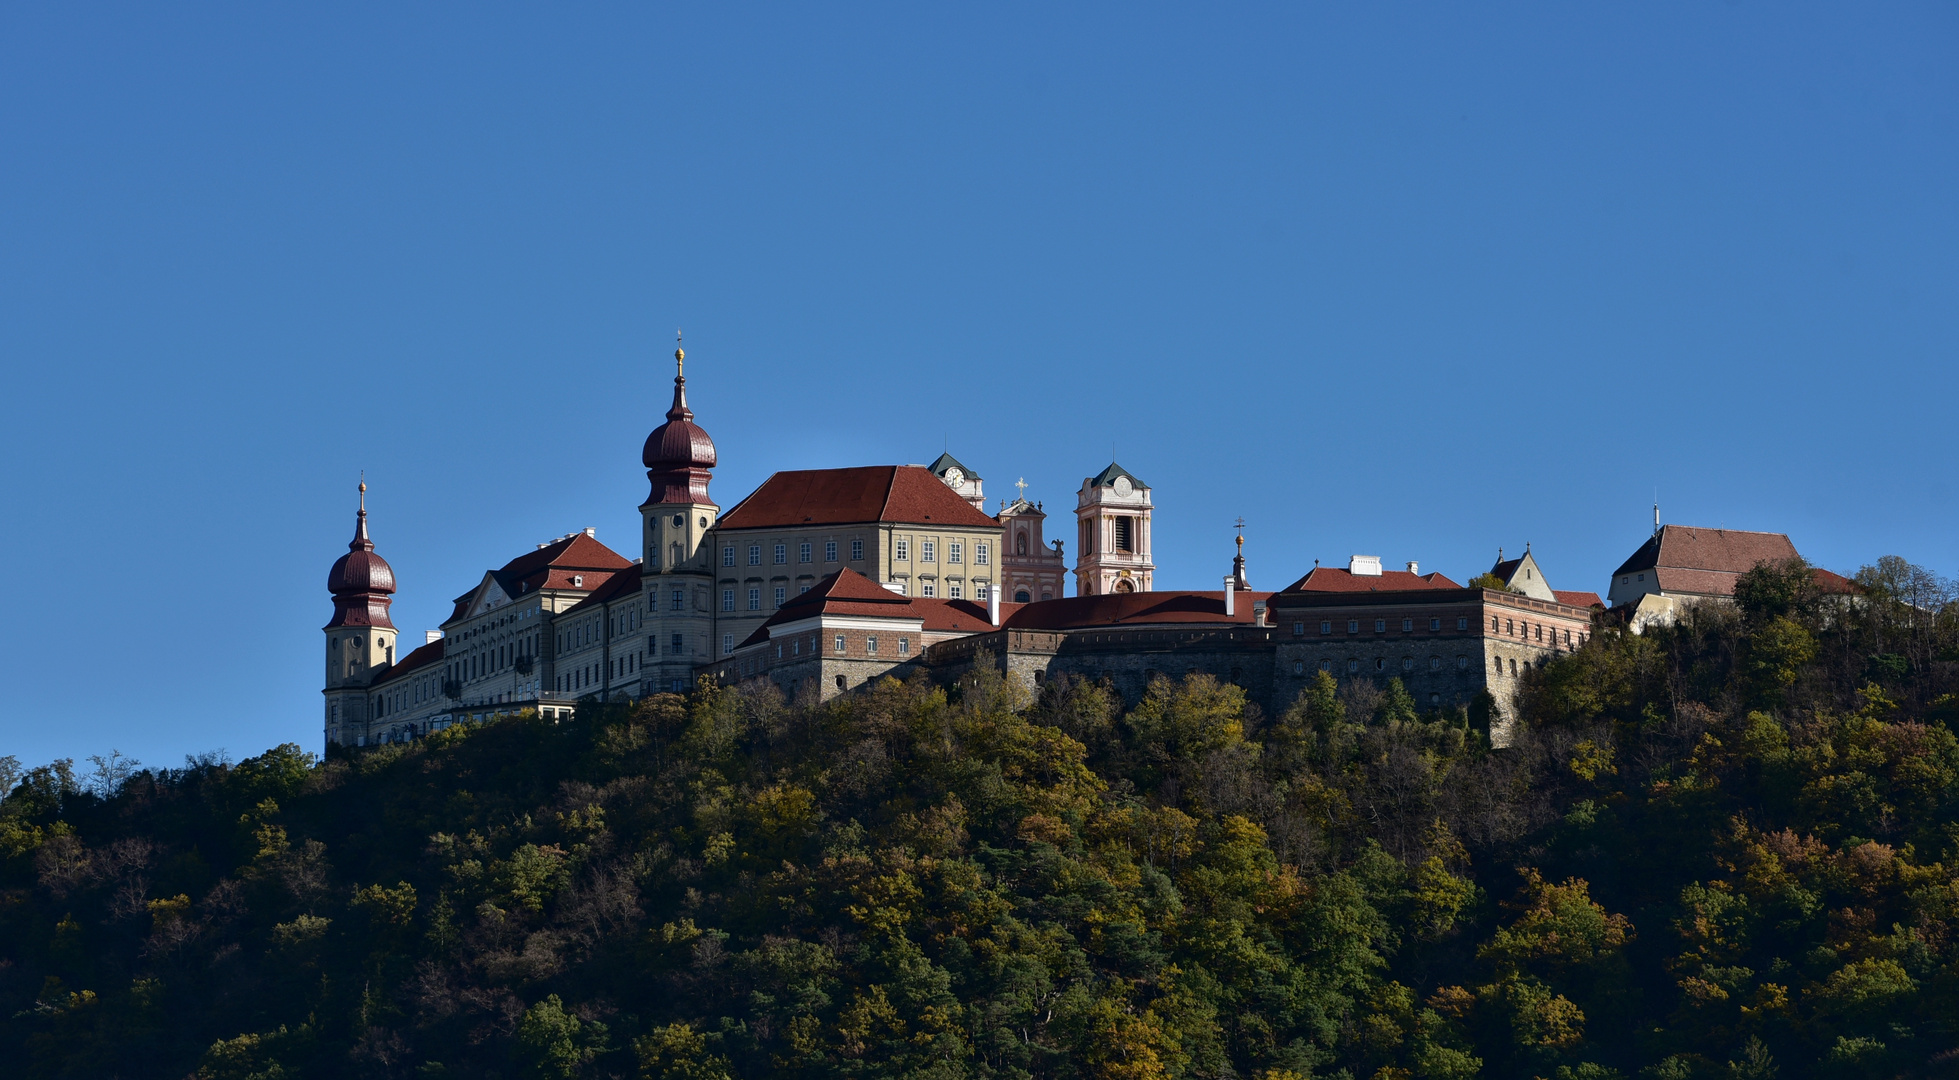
(840, 648)
(754, 554)
(1407, 626)
(728, 555)
(1494, 624)
(829, 551)
(781, 554)
(953, 590)
(980, 554)
(679, 645)
(928, 588)
(1326, 627)
(781, 594)
(727, 599)
(1353, 626)
(980, 592)
(900, 550)
(955, 552)
(1435, 624)
(727, 644)
(870, 645)
(1380, 626)
(802, 588)
(1462, 622)
(755, 598)
(678, 600)
(803, 552)
(856, 551)
(926, 551)
(904, 646)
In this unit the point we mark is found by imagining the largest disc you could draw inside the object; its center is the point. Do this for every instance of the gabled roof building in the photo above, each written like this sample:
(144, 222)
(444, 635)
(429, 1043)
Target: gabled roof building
(1681, 565)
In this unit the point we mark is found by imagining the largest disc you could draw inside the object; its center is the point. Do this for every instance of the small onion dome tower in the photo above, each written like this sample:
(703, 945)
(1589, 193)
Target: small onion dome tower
(361, 581)
(678, 455)
(1238, 581)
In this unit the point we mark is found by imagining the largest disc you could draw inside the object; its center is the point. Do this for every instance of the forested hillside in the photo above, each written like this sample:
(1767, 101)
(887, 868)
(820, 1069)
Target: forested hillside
(1724, 849)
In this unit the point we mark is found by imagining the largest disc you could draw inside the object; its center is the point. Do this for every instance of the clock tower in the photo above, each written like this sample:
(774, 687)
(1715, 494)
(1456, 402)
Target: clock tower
(1112, 514)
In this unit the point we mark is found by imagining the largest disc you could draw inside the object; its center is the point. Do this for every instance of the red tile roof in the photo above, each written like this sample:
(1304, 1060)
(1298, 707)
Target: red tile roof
(430, 653)
(1335, 579)
(1828, 582)
(848, 592)
(1127, 609)
(552, 567)
(624, 583)
(898, 493)
(1578, 599)
(1719, 551)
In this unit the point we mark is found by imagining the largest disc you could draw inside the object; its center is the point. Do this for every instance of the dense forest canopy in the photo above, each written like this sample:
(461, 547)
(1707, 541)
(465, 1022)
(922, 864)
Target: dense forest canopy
(1725, 848)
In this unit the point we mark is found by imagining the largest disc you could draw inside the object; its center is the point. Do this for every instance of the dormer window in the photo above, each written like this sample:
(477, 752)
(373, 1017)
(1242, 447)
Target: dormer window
(578, 581)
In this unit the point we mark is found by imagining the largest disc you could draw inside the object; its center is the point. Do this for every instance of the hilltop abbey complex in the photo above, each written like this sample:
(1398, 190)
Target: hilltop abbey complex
(822, 579)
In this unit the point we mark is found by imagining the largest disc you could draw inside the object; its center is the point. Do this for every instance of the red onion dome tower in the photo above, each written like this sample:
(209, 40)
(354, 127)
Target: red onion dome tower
(678, 456)
(361, 581)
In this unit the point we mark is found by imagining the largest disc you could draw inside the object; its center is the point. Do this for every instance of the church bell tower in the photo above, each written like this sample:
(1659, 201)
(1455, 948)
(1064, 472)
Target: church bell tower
(677, 572)
(360, 638)
(1112, 513)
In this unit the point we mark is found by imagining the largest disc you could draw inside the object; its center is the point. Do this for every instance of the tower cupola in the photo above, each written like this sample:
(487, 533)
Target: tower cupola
(361, 581)
(679, 455)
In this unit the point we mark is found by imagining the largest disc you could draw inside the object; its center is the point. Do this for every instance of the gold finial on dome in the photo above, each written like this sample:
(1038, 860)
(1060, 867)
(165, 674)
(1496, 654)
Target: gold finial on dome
(679, 356)
(363, 491)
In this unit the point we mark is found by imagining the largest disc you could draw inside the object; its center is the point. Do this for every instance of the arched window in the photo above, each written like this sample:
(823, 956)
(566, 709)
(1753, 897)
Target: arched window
(1021, 595)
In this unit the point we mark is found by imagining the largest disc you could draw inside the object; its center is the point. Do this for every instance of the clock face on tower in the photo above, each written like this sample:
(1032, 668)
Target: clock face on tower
(954, 477)
(1122, 485)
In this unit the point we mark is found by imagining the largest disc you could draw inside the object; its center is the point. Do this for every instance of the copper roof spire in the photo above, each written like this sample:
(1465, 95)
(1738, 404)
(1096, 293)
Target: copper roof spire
(361, 580)
(678, 454)
(680, 411)
(361, 542)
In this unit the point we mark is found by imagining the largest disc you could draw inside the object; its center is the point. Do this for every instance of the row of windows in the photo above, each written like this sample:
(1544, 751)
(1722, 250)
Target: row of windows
(955, 590)
(588, 674)
(1380, 625)
(928, 551)
(1435, 663)
(1498, 625)
(1529, 631)
(793, 647)
(1407, 665)
(805, 552)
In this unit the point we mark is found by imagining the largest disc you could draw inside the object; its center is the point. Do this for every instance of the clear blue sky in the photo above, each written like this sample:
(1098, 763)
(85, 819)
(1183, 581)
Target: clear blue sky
(1407, 280)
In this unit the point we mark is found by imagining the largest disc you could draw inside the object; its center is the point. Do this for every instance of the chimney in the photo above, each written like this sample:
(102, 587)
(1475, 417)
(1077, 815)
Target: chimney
(1414, 567)
(1230, 605)
(1258, 613)
(593, 533)
(1364, 565)
(433, 636)
(993, 604)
